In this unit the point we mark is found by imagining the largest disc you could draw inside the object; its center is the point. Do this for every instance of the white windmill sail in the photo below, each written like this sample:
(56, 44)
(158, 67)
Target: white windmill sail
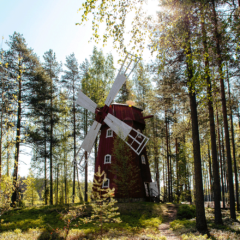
(91, 136)
(86, 102)
(119, 81)
(136, 140)
(86, 146)
(118, 126)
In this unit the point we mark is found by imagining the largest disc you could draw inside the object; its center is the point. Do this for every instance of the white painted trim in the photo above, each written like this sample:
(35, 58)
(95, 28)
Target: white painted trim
(105, 158)
(108, 181)
(141, 142)
(109, 129)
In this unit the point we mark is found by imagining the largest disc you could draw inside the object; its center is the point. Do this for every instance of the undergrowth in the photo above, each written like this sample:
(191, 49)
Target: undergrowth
(43, 221)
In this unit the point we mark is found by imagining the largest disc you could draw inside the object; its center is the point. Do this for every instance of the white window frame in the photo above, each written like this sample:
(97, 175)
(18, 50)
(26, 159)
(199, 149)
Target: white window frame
(143, 159)
(108, 181)
(109, 129)
(105, 158)
(138, 135)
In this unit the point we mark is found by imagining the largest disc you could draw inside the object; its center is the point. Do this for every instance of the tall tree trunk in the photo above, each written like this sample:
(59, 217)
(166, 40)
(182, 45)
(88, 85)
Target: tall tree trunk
(1, 137)
(86, 179)
(8, 150)
(164, 182)
(156, 155)
(168, 167)
(224, 110)
(210, 170)
(221, 162)
(86, 163)
(45, 162)
(65, 176)
(57, 185)
(17, 150)
(233, 144)
(51, 147)
(74, 143)
(224, 164)
(201, 224)
(177, 170)
(215, 166)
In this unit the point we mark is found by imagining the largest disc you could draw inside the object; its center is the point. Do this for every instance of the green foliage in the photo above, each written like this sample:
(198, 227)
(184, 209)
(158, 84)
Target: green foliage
(7, 188)
(31, 195)
(186, 211)
(103, 210)
(191, 236)
(97, 76)
(179, 224)
(124, 170)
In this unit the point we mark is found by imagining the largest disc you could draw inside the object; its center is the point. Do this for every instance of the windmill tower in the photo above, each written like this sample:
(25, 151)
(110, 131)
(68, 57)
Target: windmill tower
(126, 122)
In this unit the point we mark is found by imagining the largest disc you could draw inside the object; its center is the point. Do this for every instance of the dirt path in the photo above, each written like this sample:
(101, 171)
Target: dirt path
(165, 227)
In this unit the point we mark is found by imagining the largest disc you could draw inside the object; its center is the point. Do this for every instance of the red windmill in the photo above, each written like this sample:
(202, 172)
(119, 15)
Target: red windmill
(124, 121)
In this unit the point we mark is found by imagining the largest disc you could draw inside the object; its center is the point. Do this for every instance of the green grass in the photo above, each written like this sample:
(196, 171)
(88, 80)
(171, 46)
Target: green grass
(43, 219)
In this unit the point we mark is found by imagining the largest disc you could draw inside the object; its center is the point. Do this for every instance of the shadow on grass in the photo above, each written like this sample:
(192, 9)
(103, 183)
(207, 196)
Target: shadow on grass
(133, 216)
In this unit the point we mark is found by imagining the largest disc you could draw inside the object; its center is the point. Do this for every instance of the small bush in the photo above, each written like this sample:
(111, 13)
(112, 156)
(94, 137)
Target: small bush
(191, 236)
(179, 224)
(186, 211)
(17, 230)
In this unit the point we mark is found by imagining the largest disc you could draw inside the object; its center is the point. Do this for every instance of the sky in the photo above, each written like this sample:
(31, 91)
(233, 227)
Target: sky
(50, 24)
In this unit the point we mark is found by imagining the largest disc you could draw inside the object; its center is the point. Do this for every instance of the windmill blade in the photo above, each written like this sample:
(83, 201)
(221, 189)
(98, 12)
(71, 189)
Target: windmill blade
(118, 126)
(84, 151)
(128, 65)
(80, 165)
(133, 138)
(119, 81)
(91, 136)
(86, 102)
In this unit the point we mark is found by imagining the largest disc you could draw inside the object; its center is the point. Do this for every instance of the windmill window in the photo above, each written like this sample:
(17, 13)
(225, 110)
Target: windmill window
(107, 159)
(109, 133)
(143, 159)
(105, 183)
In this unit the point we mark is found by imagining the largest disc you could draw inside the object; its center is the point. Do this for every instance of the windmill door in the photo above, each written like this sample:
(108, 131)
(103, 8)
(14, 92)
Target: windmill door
(153, 189)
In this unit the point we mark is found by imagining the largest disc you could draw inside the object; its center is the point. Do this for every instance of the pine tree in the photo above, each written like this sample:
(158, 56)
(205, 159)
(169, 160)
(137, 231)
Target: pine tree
(103, 210)
(126, 174)
(71, 81)
(38, 127)
(52, 68)
(22, 62)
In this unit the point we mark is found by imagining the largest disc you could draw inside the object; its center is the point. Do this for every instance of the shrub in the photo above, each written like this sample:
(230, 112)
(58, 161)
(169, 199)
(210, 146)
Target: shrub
(191, 236)
(179, 224)
(186, 211)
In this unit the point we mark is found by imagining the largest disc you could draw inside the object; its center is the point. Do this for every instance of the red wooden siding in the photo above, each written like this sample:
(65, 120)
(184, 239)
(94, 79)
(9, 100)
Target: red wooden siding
(131, 116)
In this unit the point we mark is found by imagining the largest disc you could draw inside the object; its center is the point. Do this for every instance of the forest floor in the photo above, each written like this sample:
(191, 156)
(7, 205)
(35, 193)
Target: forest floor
(143, 221)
